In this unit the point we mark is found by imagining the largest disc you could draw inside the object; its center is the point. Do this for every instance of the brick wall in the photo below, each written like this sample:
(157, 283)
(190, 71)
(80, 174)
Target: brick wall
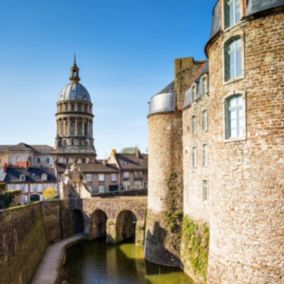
(246, 200)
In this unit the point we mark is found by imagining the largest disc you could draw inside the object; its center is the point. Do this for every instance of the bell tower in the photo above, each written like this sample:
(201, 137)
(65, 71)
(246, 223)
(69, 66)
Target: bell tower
(74, 119)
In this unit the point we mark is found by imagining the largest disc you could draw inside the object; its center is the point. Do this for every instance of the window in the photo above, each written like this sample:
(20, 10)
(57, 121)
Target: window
(233, 58)
(234, 117)
(47, 160)
(126, 175)
(193, 124)
(113, 177)
(204, 191)
(22, 177)
(232, 12)
(101, 188)
(101, 177)
(204, 120)
(44, 177)
(204, 85)
(205, 155)
(89, 177)
(79, 107)
(193, 92)
(38, 160)
(138, 185)
(138, 175)
(194, 157)
(126, 185)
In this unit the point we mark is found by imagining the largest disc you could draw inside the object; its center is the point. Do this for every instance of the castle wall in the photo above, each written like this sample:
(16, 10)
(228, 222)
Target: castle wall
(195, 233)
(163, 230)
(25, 232)
(193, 203)
(246, 200)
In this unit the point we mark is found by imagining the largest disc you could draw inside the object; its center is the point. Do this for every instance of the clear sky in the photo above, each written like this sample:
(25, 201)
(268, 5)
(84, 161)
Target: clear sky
(125, 50)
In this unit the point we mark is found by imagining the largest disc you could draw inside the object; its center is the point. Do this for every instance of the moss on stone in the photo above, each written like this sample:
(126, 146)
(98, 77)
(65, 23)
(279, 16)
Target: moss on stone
(196, 244)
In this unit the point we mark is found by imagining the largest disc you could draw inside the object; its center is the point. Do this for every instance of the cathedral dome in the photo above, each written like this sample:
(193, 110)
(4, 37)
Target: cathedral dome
(74, 91)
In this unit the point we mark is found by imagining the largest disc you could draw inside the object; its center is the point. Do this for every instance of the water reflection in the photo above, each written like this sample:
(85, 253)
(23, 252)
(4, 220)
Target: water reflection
(94, 262)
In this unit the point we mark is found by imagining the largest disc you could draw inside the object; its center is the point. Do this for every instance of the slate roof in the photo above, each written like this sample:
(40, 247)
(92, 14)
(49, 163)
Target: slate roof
(32, 174)
(132, 161)
(129, 161)
(204, 69)
(168, 89)
(41, 149)
(2, 175)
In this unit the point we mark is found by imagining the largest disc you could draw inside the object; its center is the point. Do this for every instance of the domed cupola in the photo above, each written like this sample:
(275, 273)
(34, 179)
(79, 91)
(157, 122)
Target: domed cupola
(74, 90)
(74, 117)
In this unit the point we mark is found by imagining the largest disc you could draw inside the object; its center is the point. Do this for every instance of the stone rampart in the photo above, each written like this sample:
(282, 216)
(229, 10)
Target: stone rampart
(25, 233)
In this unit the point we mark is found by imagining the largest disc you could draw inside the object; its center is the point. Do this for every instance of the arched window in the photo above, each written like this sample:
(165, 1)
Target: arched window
(194, 157)
(235, 117)
(204, 85)
(204, 190)
(204, 155)
(204, 120)
(193, 90)
(232, 12)
(233, 58)
(193, 124)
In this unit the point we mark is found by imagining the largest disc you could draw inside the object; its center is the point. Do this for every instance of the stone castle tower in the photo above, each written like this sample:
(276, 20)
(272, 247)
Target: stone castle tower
(216, 153)
(165, 161)
(74, 118)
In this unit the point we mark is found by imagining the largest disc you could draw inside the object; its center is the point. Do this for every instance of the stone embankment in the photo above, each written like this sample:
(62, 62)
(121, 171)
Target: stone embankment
(48, 271)
(25, 233)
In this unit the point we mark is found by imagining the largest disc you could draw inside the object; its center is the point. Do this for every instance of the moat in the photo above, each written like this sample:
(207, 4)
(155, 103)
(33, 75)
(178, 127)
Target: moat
(95, 262)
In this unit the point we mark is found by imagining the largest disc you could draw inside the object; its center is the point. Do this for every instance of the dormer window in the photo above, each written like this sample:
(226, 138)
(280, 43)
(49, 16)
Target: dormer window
(232, 12)
(22, 177)
(44, 177)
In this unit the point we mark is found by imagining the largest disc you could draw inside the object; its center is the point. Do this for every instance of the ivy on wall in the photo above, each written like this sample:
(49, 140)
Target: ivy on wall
(196, 240)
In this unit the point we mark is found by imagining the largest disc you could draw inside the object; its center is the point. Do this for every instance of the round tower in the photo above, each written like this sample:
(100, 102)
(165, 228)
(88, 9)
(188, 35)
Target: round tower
(246, 55)
(165, 182)
(74, 118)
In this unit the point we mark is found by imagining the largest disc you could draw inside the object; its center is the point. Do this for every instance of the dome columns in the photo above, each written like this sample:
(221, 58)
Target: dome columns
(74, 119)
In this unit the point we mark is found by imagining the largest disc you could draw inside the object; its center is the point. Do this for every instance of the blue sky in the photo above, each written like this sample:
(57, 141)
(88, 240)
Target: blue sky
(125, 50)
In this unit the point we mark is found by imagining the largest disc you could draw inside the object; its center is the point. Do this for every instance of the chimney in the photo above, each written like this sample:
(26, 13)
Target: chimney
(113, 152)
(104, 162)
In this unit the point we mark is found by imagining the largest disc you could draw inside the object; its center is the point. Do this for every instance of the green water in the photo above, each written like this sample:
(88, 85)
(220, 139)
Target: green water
(95, 262)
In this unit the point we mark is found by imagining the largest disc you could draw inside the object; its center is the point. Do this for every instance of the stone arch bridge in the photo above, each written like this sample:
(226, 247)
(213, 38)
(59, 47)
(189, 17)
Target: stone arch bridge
(116, 218)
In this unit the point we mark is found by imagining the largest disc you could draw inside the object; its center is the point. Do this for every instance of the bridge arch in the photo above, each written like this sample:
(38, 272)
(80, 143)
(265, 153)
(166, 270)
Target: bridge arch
(125, 225)
(98, 224)
(78, 221)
